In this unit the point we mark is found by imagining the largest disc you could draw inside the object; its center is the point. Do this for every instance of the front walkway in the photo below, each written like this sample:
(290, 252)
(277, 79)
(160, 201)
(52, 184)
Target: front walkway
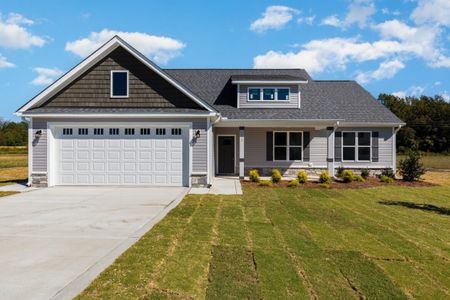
(54, 241)
(221, 186)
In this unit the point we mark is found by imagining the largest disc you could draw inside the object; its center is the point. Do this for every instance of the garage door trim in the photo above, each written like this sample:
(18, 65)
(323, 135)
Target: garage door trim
(53, 126)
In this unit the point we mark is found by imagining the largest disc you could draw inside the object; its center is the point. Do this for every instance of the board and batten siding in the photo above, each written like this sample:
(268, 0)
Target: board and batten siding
(40, 155)
(292, 103)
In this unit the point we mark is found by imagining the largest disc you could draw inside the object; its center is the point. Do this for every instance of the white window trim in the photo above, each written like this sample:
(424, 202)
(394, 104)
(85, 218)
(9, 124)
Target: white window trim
(111, 83)
(287, 146)
(357, 146)
(261, 93)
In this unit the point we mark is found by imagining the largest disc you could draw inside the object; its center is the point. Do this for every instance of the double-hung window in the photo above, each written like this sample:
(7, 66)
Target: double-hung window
(268, 94)
(356, 146)
(287, 146)
(119, 84)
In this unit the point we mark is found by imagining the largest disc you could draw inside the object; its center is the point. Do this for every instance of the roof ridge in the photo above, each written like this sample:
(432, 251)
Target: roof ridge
(246, 69)
(337, 80)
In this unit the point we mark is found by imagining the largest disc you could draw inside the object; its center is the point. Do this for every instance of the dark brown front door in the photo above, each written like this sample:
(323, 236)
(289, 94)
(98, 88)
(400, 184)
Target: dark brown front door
(226, 154)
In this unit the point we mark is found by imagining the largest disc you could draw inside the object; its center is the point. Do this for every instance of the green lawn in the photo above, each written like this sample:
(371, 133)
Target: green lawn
(432, 161)
(379, 243)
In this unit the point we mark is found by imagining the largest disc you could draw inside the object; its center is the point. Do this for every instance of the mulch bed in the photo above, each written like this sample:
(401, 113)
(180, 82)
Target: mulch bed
(370, 182)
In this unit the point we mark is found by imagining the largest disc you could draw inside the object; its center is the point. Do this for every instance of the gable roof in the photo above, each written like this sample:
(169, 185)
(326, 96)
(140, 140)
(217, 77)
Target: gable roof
(94, 58)
(327, 100)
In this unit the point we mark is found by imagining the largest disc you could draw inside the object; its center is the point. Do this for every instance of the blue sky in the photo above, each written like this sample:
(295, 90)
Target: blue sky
(400, 46)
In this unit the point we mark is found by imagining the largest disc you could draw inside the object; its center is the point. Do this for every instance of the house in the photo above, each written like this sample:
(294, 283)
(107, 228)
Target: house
(118, 119)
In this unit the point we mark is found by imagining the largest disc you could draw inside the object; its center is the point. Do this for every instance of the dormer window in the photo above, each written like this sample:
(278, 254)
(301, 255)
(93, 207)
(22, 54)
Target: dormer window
(268, 94)
(119, 84)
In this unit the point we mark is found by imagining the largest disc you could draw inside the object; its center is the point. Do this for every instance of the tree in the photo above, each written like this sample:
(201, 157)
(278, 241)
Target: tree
(13, 133)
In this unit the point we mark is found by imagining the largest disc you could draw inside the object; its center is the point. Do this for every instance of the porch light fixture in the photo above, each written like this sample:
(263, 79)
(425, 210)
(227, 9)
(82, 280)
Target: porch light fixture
(197, 134)
(38, 133)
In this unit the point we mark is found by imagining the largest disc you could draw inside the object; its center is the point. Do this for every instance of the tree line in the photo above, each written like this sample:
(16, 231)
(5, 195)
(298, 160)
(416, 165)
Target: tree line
(13, 133)
(427, 122)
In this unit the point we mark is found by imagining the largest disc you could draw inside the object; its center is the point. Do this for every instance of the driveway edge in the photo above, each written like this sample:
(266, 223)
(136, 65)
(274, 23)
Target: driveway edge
(76, 286)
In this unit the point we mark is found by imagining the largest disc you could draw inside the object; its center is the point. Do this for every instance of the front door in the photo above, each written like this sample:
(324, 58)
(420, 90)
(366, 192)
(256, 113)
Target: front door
(226, 154)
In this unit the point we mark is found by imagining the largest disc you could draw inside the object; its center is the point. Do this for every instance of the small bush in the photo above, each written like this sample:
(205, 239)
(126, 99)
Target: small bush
(265, 183)
(254, 175)
(293, 183)
(302, 176)
(365, 173)
(325, 177)
(358, 178)
(386, 179)
(411, 168)
(388, 172)
(339, 171)
(347, 176)
(276, 176)
(324, 185)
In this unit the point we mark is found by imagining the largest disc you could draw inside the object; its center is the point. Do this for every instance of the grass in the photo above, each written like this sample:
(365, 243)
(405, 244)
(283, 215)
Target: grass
(432, 161)
(13, 165)
(377, 243)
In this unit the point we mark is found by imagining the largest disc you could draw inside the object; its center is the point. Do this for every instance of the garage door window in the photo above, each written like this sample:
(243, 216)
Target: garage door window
(114, 131)
(129, 131)
(67, 131)
(83, 131)
(176, 131)
(160, 131)
(98, 131)
(145, 131)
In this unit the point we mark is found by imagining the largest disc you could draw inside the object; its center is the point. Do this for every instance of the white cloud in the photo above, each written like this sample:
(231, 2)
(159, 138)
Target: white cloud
(399, 94)
(433, 12)
(413, 91)
(306, 20)
(437, 83)
(4, 63)
(159, 48)
(275, 17)
(446, 96)
(46, 75)
(386, 70)
(359, 12)
(13, 34)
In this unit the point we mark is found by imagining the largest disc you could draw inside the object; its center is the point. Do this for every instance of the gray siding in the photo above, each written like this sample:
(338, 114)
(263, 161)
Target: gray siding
(292, 103)
(199, 148)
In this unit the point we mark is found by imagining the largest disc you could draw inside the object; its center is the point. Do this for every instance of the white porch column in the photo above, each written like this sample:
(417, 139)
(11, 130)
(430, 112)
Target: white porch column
(330, 150)
(241, 152)
(394, 149)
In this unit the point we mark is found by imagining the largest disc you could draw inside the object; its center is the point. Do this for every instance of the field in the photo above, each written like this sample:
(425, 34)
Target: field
(13, 165)
(432, 161)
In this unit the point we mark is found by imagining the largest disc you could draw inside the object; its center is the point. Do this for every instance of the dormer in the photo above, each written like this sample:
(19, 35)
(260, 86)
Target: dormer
(268, 91)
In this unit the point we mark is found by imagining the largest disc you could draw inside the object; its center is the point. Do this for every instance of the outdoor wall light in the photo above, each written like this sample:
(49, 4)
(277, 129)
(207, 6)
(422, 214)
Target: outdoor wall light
(197, 134)
(38, 133)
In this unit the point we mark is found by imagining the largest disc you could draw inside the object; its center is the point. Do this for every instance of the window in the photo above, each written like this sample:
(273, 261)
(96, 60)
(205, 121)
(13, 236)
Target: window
(114, 131)
(268, 94)
(119, 84)
(287, 146)
(67, 131)
(145, 131)
(356, 146)
(176, 131)
(254, 94)
(160, 131)
(83, 131)
(129, 131)
(98, 131)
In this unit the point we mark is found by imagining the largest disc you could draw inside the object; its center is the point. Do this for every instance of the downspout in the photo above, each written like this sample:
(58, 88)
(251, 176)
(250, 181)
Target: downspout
(394, 148)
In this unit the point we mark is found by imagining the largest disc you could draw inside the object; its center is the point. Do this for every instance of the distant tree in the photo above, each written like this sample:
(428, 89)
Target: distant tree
(427, 122)
(13, 133)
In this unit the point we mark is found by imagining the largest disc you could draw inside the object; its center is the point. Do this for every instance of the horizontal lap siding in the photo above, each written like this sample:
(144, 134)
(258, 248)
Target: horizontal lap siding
(39, 146)
(200, 150)
(292, 103)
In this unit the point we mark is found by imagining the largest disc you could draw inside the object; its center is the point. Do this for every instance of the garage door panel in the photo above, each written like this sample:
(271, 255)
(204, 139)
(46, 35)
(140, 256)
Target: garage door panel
(121, 159)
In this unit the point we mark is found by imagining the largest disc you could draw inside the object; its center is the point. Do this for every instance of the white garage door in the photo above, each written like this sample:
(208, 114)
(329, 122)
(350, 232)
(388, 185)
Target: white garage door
(122, 156)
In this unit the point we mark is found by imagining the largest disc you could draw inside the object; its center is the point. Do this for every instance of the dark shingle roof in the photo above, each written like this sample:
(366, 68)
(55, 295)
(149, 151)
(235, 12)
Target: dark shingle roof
(341, 100)
(266, 77)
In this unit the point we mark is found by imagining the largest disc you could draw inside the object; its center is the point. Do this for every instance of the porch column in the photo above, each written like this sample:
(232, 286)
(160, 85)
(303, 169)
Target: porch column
(241, 152)
(330, 150)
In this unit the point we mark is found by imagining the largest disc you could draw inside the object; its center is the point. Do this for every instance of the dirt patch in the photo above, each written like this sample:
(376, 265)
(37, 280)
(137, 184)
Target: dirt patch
(370, 182)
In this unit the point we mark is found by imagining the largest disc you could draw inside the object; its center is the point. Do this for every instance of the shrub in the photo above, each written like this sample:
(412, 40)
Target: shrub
(347, 176)
(358, 178)
(388, 172)
(302, 176)
(411, 168)
(365, 173)
(386, 179)
(276, 176)
(293, 183)
(325, 177)
(324, 185)
(339, 171)
(265, 183)
(254, 175)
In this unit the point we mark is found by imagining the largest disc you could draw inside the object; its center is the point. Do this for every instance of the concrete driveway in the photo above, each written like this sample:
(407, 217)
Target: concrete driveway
(54, 241)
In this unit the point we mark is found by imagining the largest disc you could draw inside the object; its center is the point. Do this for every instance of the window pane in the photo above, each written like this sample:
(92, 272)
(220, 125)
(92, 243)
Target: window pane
(349, 138)
(119, 87)
(364, 153)
(280, 153)
(254, 94)
(364, 138)
(280, 138)
(283, 94)
(269, 94)
(295, 138)
(349, 153)
(295, 153)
